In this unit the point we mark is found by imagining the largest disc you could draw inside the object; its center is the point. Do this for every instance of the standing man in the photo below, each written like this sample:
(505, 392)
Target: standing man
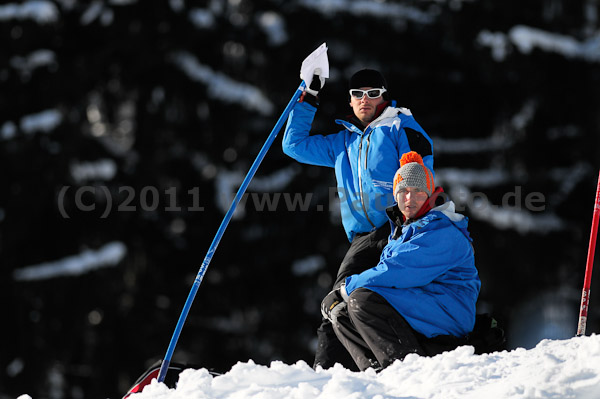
(421, 296)
(365, 155)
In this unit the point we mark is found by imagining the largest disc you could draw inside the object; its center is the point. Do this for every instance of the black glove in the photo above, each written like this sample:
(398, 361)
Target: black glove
(317, 84)
(310, 93)
(333, 304)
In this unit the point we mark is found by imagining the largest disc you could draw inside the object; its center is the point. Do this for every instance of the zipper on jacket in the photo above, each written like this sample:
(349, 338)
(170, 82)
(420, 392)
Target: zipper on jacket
(367, 150)
(360, 188)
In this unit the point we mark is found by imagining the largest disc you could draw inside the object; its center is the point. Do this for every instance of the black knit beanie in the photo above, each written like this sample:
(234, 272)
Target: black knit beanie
(367, 78)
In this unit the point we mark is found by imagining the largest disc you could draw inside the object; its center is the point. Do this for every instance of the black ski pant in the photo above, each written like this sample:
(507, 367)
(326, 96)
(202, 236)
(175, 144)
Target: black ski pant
(373, 332)
(364, 253)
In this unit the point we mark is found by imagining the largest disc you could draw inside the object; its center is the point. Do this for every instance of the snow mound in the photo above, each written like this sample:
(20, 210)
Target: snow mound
(553, 369)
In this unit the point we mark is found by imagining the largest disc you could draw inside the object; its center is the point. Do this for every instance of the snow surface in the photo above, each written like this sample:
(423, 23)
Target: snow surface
(565, 369)
(43, 122)
(221, 86)
(36, 59)
(40, 11)
(108, 255)
(526, 39)
(227, 184)
(102, 169)
(371, 8)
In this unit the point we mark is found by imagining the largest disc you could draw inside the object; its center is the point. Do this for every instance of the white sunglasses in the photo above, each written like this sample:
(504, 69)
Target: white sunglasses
(371, 93)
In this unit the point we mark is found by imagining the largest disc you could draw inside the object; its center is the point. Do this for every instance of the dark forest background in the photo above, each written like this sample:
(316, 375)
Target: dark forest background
(119, 96)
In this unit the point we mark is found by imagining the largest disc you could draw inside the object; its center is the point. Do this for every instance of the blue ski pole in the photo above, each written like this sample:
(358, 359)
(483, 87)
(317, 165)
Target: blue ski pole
(213, 247)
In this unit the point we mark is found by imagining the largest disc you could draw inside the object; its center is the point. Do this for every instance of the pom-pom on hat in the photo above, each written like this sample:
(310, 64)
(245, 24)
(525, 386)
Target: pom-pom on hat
(367, 78)
(413, 173)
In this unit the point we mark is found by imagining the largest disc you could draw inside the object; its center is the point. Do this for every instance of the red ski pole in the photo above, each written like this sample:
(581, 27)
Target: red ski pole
(585, 295)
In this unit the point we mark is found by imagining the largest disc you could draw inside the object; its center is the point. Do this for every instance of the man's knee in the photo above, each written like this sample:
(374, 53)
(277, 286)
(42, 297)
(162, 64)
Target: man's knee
(363, 301)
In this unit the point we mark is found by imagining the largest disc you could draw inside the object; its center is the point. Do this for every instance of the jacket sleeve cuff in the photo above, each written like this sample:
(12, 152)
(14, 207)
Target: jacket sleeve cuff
(310, 99)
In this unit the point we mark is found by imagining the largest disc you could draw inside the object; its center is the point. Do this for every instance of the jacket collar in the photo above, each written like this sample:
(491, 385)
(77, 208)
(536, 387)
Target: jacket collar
(378, 111)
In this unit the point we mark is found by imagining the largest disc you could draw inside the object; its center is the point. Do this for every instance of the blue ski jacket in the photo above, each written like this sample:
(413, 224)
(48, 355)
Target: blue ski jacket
(365, 161)
(428, 274)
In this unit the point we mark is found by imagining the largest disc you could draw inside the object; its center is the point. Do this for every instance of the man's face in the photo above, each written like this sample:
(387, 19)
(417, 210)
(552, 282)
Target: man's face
(365, 108)
(410, 200)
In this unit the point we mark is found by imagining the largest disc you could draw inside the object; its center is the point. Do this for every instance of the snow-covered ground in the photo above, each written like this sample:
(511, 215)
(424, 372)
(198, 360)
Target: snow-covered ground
(554, 369)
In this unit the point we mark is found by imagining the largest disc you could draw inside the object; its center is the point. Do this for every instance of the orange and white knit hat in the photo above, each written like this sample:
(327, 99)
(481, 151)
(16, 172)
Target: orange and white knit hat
(413, 173)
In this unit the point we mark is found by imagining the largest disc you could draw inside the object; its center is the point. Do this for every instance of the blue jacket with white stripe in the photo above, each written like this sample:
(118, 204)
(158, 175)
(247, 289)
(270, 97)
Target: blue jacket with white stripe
(365, 161)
